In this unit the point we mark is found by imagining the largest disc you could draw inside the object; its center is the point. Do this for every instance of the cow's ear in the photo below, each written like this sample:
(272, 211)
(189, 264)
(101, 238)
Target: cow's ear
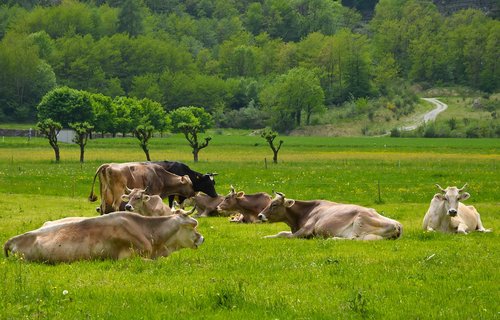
(146, 198)
(125, 198)
(439, 196)
(464, 196)
(289, 203)
(240, 194)
(185, 179)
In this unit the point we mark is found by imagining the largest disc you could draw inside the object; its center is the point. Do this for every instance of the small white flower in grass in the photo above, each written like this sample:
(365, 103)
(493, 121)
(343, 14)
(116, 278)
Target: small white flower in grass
(65, 292)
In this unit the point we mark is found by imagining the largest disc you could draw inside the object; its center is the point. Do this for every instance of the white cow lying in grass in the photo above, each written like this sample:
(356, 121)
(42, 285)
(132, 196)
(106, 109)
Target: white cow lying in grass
(447, 214)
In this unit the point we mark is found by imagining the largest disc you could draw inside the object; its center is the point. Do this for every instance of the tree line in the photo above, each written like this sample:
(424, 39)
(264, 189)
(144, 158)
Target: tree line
(249, 64)
(86, 112)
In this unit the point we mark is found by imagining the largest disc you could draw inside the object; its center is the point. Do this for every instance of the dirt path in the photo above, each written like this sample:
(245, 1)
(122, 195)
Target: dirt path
(429, 116)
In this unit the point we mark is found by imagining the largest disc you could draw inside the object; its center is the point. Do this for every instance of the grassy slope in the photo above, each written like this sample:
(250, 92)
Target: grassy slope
(236, 273)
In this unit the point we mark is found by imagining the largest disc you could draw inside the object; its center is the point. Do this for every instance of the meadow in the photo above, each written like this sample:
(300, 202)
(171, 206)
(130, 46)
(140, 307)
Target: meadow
(236, 273)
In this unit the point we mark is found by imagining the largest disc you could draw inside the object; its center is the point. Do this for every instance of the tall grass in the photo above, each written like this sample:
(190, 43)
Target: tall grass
(238, 274)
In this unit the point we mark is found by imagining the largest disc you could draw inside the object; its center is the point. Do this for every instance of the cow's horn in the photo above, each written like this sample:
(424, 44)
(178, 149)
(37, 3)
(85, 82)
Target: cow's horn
(192, 210)
(127, 190)
(462, 189)
(280, 194)
(232, 189)
(212, 174)
(439, 187)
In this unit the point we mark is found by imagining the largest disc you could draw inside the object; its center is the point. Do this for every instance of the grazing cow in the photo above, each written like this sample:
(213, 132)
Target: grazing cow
(201, 182)
(447, 214)
(249, 206)
(116, 235)
(116, 177)
(148, 205)
(206, 206)
(329, 219)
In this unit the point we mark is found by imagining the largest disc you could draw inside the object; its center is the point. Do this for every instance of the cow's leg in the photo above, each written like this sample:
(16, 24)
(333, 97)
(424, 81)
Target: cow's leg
(480, 226)
(462, 228)
(171, 199)
(370, 237)
(369, 227)
(282, 234)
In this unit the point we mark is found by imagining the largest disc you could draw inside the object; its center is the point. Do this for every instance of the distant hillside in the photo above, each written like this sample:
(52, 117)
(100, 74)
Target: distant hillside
(446, 7)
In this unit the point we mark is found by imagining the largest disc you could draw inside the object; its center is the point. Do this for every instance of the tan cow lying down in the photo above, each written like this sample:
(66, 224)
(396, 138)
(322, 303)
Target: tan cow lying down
(206, 206)
(150, 205)
(138, 201)
(248, 205)
(329, 219)
(447, 214)
(114, 236)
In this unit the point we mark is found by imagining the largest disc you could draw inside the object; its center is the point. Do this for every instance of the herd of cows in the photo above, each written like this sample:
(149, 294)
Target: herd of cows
(134, 220)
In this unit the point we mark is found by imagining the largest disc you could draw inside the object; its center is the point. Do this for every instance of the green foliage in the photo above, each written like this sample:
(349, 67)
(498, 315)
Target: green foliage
(193, 53)
(294, 93)
(190, 119)
(24, 79)
(66, 105)
(130, 19)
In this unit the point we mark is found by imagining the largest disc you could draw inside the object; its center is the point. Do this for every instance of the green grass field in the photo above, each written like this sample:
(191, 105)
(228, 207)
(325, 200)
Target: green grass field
(236, 274)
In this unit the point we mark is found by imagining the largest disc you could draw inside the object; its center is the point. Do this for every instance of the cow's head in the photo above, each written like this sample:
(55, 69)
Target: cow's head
(276, 210)
(206, 184)
(230, 201)
(135, 198)
(451, 196)
(188, 236)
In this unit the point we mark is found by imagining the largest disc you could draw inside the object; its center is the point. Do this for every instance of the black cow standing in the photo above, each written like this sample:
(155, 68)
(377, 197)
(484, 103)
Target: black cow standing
(201, 182)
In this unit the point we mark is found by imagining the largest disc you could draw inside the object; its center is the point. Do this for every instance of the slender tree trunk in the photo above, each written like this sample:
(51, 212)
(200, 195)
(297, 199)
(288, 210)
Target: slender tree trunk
(146, 151)
(195, 154)
(275, 156)
(56, 151)
(82, 152)
(55, 146)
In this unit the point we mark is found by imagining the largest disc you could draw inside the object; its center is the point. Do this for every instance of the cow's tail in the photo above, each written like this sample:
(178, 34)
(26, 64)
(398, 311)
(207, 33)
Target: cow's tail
(92, 195)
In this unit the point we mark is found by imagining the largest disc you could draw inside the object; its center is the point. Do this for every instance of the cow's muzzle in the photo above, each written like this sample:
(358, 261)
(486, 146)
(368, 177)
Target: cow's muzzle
(262, 217)
(129, 207)
(199, 241)
(452, 212)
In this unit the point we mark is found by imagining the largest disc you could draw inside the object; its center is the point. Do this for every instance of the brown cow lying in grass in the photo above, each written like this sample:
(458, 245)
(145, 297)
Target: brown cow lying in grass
(321, 218)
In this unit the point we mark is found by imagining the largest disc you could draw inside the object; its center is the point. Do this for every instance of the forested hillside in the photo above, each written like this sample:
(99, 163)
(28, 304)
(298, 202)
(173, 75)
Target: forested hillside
(248, 63)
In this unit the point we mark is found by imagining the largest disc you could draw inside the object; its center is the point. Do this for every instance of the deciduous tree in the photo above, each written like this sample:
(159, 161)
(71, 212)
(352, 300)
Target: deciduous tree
(50, 129)
(82, 132)
(270, 135)
(191, 121)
